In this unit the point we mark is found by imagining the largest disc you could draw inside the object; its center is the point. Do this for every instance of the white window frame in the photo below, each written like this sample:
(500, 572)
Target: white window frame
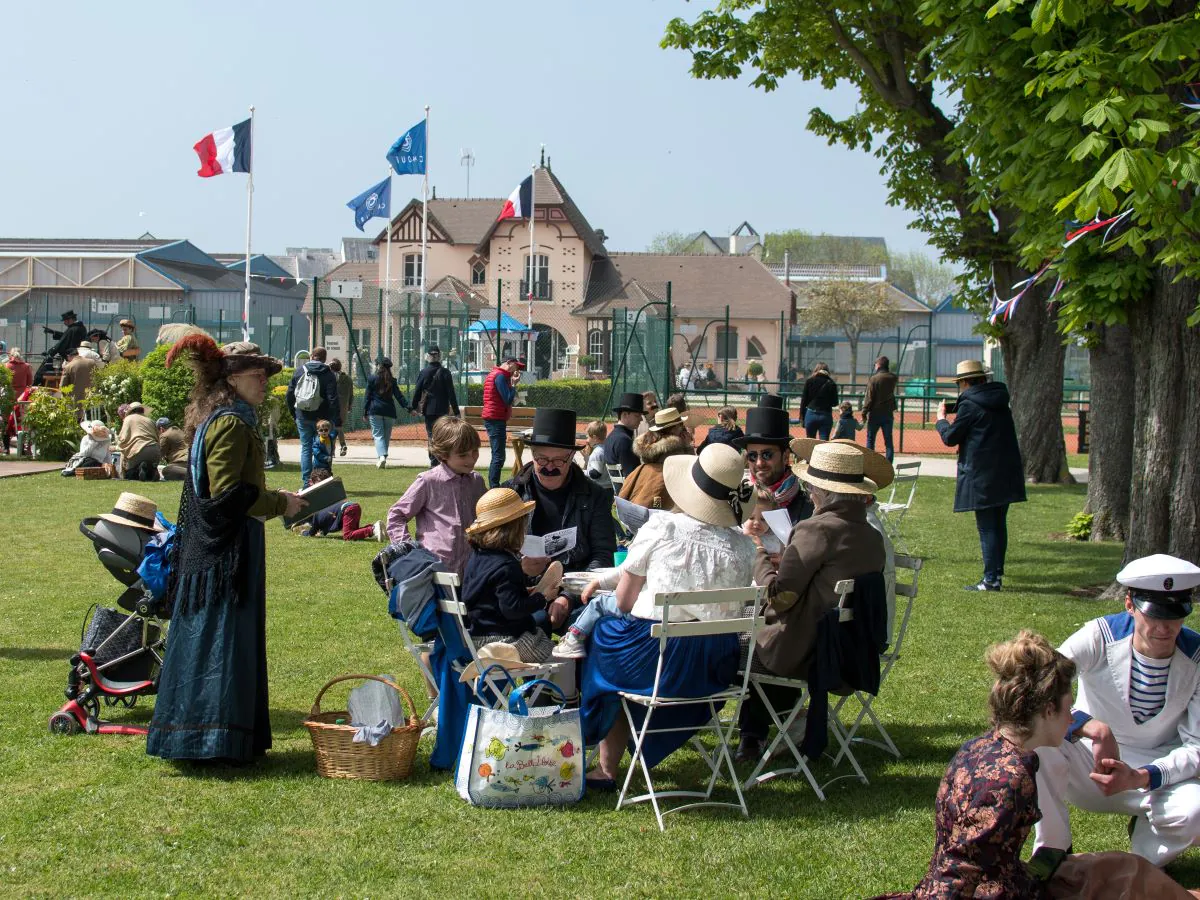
(595, 346)
(412, 270)
(479, 269)
(541, 274)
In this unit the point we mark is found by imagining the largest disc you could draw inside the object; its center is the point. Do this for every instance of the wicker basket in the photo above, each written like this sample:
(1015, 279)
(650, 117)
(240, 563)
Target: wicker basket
(339, 757)
(91, 473)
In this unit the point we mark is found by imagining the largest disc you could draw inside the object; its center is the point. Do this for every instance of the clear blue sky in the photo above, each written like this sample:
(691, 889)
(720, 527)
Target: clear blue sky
(102, 103)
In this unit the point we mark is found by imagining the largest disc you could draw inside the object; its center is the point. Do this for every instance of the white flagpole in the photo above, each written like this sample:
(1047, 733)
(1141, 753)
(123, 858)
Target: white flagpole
(424, 232)
(249, 221)
(529, 338)
(387, 279)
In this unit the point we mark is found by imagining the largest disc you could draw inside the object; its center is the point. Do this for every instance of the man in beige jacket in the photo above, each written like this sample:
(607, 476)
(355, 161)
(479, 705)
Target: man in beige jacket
(78, 373)
(138, 443)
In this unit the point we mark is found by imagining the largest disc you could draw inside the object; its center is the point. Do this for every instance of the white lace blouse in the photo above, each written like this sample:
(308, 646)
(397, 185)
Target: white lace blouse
(678, 553)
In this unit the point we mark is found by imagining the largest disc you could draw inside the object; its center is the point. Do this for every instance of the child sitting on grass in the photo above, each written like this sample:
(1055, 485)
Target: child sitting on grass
(501, 607)
(442, 499)
(847, 425)
(344, 516)
(593, 453)
(322, 449)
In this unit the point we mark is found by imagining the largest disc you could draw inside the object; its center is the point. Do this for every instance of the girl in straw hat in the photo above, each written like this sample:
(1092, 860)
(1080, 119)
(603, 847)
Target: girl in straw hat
(501, 607)
(696, 547)
(212, 696)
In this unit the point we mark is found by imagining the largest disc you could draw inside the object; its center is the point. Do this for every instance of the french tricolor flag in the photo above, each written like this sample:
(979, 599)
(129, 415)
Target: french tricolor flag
(225, 150)
(520, 203)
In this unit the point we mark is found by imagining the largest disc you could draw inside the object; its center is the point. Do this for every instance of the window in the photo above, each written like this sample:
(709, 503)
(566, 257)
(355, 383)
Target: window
(362, 337)
(754, 349)
(412, 269)
(327, 329)
(433, 338)
(479, 273)
(595, 347)
(408, 336)
(541, 278)
(727, 343)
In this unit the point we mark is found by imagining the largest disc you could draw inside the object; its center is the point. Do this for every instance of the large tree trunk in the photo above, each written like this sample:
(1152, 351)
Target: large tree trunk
(1164, 514)
(1033, 366)
(1110, 425)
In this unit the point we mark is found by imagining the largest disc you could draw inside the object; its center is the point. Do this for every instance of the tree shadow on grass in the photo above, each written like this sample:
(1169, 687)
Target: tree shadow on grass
(33, 654)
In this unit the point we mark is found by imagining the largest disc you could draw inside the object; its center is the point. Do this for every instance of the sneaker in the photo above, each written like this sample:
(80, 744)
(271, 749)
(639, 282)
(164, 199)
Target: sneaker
(381, 463)
(342, 452)
(377, 531)
(570, 646)
(983, 585)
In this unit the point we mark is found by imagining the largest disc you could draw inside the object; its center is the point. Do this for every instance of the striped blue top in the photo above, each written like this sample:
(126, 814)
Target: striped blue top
(1147, 686)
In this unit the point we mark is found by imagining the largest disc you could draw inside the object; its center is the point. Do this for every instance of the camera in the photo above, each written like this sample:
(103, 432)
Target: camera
(951, 406)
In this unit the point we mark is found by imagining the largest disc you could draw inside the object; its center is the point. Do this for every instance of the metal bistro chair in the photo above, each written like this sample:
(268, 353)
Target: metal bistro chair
(615, 475)
(892, 509)
(889, 659)
(720, 759)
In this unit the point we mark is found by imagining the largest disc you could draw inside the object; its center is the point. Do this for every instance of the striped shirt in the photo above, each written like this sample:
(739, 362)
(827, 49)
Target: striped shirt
(1147, 686)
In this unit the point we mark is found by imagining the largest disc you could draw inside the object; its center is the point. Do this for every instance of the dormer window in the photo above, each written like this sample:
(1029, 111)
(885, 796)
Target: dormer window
(479, 273)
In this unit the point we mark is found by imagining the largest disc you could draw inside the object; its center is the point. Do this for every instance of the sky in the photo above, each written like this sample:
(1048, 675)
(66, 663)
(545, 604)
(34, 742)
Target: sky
(103, 102)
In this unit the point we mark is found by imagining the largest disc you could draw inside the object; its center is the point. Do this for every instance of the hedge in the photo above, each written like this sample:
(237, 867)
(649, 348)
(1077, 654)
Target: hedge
(165, 391)
(587, 398)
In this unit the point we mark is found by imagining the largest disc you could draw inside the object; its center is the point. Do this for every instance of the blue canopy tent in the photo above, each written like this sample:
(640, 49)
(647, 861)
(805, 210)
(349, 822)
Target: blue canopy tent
(489, 341)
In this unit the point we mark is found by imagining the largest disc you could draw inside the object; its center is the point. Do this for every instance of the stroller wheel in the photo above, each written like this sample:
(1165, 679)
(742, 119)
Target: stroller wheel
(63, 723)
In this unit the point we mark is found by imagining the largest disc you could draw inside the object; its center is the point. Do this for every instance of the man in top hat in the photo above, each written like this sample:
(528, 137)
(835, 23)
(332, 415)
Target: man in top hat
(434, 395)
(1134, 743)
(127, 344)
(499, 395)
(770, 401)
(990, 473)
(618, 446)
(565, 498)
(766, 443)
(65, 341)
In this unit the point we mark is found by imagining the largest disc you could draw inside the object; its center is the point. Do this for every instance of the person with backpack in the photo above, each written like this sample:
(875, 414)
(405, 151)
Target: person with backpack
(312, 396)
(434, 396)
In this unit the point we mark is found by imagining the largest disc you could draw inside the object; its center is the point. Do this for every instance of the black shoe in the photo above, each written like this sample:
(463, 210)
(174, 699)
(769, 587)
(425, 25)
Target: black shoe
(983, 585)
(750, 749)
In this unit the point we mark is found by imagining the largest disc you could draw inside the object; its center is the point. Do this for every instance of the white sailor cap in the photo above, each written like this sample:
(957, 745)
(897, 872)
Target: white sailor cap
(1161, 585)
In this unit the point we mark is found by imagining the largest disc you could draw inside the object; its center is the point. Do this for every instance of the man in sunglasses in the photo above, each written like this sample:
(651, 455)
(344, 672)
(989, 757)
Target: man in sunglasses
(767, 456)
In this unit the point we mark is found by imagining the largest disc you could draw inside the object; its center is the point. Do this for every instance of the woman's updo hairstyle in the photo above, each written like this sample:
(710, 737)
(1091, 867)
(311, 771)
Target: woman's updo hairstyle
(1031, 676)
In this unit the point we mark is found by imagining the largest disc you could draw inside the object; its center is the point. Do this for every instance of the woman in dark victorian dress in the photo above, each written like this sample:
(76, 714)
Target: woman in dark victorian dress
(987, 802)
(212, 698)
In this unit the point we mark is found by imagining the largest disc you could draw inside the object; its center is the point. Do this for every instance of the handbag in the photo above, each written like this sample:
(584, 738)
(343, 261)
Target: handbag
(522, 757)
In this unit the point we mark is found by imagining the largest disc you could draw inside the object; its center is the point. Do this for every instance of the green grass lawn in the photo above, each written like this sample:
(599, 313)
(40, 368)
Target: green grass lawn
(95, 816)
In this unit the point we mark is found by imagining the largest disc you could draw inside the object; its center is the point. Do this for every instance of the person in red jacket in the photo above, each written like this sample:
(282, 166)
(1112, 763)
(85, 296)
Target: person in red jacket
(499, 394)
(22, 374)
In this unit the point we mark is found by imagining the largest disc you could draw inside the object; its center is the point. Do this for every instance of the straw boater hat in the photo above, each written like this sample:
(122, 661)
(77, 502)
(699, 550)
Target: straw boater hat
(135, 407)
(667, 418)
(971, 368)
(96, 429)
(87, 345)
(134, 510)
(497, 507)
(126, 323)
(709, 487)
(875, 465)
(497, 653)
(836, 468)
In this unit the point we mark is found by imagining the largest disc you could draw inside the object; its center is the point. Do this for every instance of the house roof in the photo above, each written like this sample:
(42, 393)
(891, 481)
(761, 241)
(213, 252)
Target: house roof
(947, 305)
(549, 191)
(828, 271)
(80, 245)
(462, 221)
(898, 298)
(260, 264)
(700, 285)
(193, 277)
(456, 287)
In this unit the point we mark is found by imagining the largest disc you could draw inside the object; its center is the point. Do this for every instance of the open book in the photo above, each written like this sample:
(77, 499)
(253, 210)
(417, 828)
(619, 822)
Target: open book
(320, 495)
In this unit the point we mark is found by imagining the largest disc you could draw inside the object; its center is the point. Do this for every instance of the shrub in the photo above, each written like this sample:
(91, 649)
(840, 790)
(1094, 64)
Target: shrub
(754, 369)
(285, 426)
(165, 391)
(1080, 526)
(7, 395)
(54, 420)
(586, 361)
(587, 398)
(118, 382)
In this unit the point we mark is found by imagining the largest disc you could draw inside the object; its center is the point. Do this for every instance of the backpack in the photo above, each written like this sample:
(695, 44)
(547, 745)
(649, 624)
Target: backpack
(308, 391)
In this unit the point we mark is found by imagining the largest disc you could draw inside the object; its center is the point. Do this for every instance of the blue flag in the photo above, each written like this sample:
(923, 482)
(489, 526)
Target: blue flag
(407, 155)
(374, 201)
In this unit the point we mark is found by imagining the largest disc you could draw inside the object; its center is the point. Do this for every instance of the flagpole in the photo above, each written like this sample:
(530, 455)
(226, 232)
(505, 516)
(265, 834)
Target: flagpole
(529, 337)
(424, 233)
(387, 278)
(249, 222)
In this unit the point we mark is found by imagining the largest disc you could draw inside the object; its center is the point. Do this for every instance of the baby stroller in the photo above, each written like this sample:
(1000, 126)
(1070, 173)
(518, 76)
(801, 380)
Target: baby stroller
(120, 655)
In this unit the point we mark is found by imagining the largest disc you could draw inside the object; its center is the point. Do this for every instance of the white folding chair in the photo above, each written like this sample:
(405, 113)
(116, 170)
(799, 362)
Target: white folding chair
(419, 650)
(844, 589)
(888, 659)
(899, 500)
(495, 687)
(615, 475)
(719, 759)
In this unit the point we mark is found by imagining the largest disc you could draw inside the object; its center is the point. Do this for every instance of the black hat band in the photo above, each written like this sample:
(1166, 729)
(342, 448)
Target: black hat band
(734, 496)
(841, 477)
(133, 517)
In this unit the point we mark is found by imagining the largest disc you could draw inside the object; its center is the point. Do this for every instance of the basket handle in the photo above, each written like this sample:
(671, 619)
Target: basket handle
(316, 707)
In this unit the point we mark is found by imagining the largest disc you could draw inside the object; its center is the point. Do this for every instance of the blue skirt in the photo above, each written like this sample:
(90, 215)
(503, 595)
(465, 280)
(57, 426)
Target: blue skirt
(623, 656)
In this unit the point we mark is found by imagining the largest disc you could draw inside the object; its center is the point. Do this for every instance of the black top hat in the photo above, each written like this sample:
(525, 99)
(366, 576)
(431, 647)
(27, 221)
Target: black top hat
(630, 403)
(770, 401)
(434, 348)
(765, 425)
(553, 428)
(69, 314)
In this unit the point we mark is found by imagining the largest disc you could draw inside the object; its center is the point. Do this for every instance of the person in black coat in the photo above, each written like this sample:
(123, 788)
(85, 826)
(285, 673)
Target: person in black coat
(434, 395)
(67, 340)
(817, 402)
(618, 446)
(990, 472)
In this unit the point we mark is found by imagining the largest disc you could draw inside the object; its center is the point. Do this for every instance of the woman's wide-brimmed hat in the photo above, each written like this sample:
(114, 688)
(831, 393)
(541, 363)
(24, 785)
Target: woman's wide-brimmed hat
(971, 368)
(126, 323)
(136, 511)
(553, 428)
(202, 353)
(836, 468)
(668, 418)
(766, 425)
(709, 487)
(875, 465)
(630, 403)
(243, 356)
(135, 407)
(497, 507)
(97, 429)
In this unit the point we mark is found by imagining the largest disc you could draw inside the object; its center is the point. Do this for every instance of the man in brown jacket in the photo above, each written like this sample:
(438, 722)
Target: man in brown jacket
(138, 443)
(836, 542)
(879, 406)
(78, 373)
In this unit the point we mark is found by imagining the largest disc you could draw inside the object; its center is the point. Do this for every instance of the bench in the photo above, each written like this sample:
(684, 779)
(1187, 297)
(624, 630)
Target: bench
(519, 422)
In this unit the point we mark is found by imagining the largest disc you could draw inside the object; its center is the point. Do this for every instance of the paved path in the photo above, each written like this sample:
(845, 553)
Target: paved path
(415, 455)
(10, 468)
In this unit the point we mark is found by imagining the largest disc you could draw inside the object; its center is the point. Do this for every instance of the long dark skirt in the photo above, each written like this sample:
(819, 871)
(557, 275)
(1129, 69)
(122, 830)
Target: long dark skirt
(623, 656)
(212, 696)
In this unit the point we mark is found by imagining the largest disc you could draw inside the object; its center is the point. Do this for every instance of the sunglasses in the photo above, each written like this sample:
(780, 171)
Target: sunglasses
(764, 455)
